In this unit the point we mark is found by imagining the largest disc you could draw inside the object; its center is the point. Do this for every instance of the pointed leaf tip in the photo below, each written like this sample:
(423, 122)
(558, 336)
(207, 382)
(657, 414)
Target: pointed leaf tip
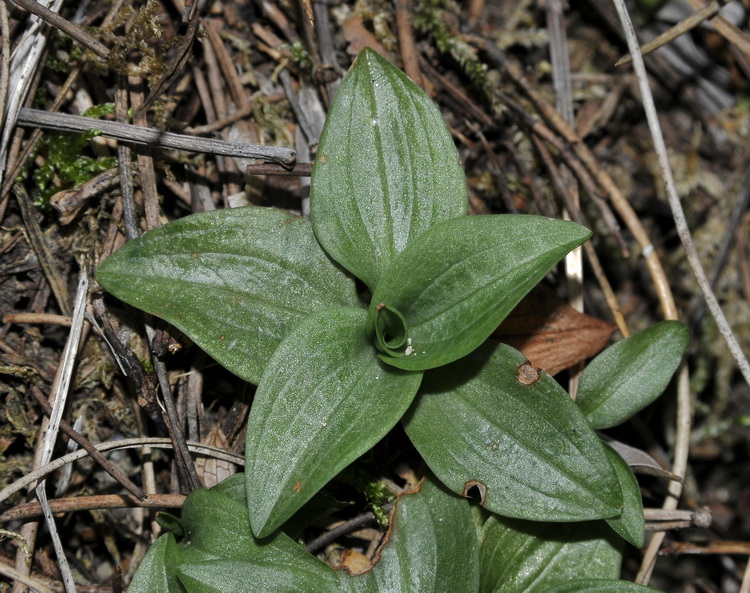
(456, 282)
(323, 401)
(631, 374)
(386, 169)
(526, 444)
(218, 277)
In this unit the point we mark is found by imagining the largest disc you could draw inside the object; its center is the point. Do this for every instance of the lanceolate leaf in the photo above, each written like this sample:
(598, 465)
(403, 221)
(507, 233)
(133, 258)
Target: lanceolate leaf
(629, 375)
(456, 282)
(631, 523)
(324, 399)
(158, 570)
(386, 169)
(235, 281)
(432, 547)
(525, 447)
(525, 557)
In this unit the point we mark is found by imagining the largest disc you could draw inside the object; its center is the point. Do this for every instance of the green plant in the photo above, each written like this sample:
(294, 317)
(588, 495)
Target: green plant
(273, 298)
(64, 163)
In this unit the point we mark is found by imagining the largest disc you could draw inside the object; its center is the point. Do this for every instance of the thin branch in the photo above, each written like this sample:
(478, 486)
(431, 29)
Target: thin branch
(335, 533)
(135, 443)
(31, 582)
(674, 200)
(409, 53)
(114, 471)
(684, 26)
(89, 503)
(64, 25)
(64, 122)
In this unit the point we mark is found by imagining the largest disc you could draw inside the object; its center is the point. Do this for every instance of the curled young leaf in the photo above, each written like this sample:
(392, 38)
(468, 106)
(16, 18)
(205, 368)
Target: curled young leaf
(456, 282)
(391, 331)
(323, 401)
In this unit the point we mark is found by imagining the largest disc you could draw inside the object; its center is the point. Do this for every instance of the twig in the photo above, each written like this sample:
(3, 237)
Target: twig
(682, 436)
(44, 318)
(330, 70)
(4, 61)
(726, 29)
(65, 26)
(128, 362)
(15, 575)
(114, 471)
(684, 26)
(236, 90)
(475, 10)
(333, 534)
(674, 200)
(717, 547)
(241, 113)
(409, 53)
(88, 503)
(144, 159)
(58, 399)
(23, 70)
(134, 443)
(563, 86)
(39, 245)
(299, 170)
(64, 122)
(745, 587)
(185, 466)
(69, 202)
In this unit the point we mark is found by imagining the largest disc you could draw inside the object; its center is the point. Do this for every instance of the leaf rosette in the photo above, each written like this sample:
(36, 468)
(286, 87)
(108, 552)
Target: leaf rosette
(273, 298)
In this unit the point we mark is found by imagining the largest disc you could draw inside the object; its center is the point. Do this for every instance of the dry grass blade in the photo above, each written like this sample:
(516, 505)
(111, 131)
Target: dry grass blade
(54, 19)
(62, 386)
(674, 201)
(680, 28)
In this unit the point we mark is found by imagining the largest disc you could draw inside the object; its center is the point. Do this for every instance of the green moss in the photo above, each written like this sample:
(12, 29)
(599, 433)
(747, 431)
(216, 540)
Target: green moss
(428, 19)
(63, 161)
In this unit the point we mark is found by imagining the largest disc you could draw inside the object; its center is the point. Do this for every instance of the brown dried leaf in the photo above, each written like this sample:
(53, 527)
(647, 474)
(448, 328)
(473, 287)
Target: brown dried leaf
(551, 334)
(211, 471)
(359, 38)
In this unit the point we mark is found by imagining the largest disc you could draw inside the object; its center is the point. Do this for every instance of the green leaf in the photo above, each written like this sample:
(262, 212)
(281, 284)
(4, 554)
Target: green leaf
(324, 400)
(522, 556)
(526, 446)
(225, 557)
(455, 283)
(432, 547)
(386, 169)
(236, 576)
(235, 281)
(631, 523)
(598, 586)
(157, 571)
(631, 374)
